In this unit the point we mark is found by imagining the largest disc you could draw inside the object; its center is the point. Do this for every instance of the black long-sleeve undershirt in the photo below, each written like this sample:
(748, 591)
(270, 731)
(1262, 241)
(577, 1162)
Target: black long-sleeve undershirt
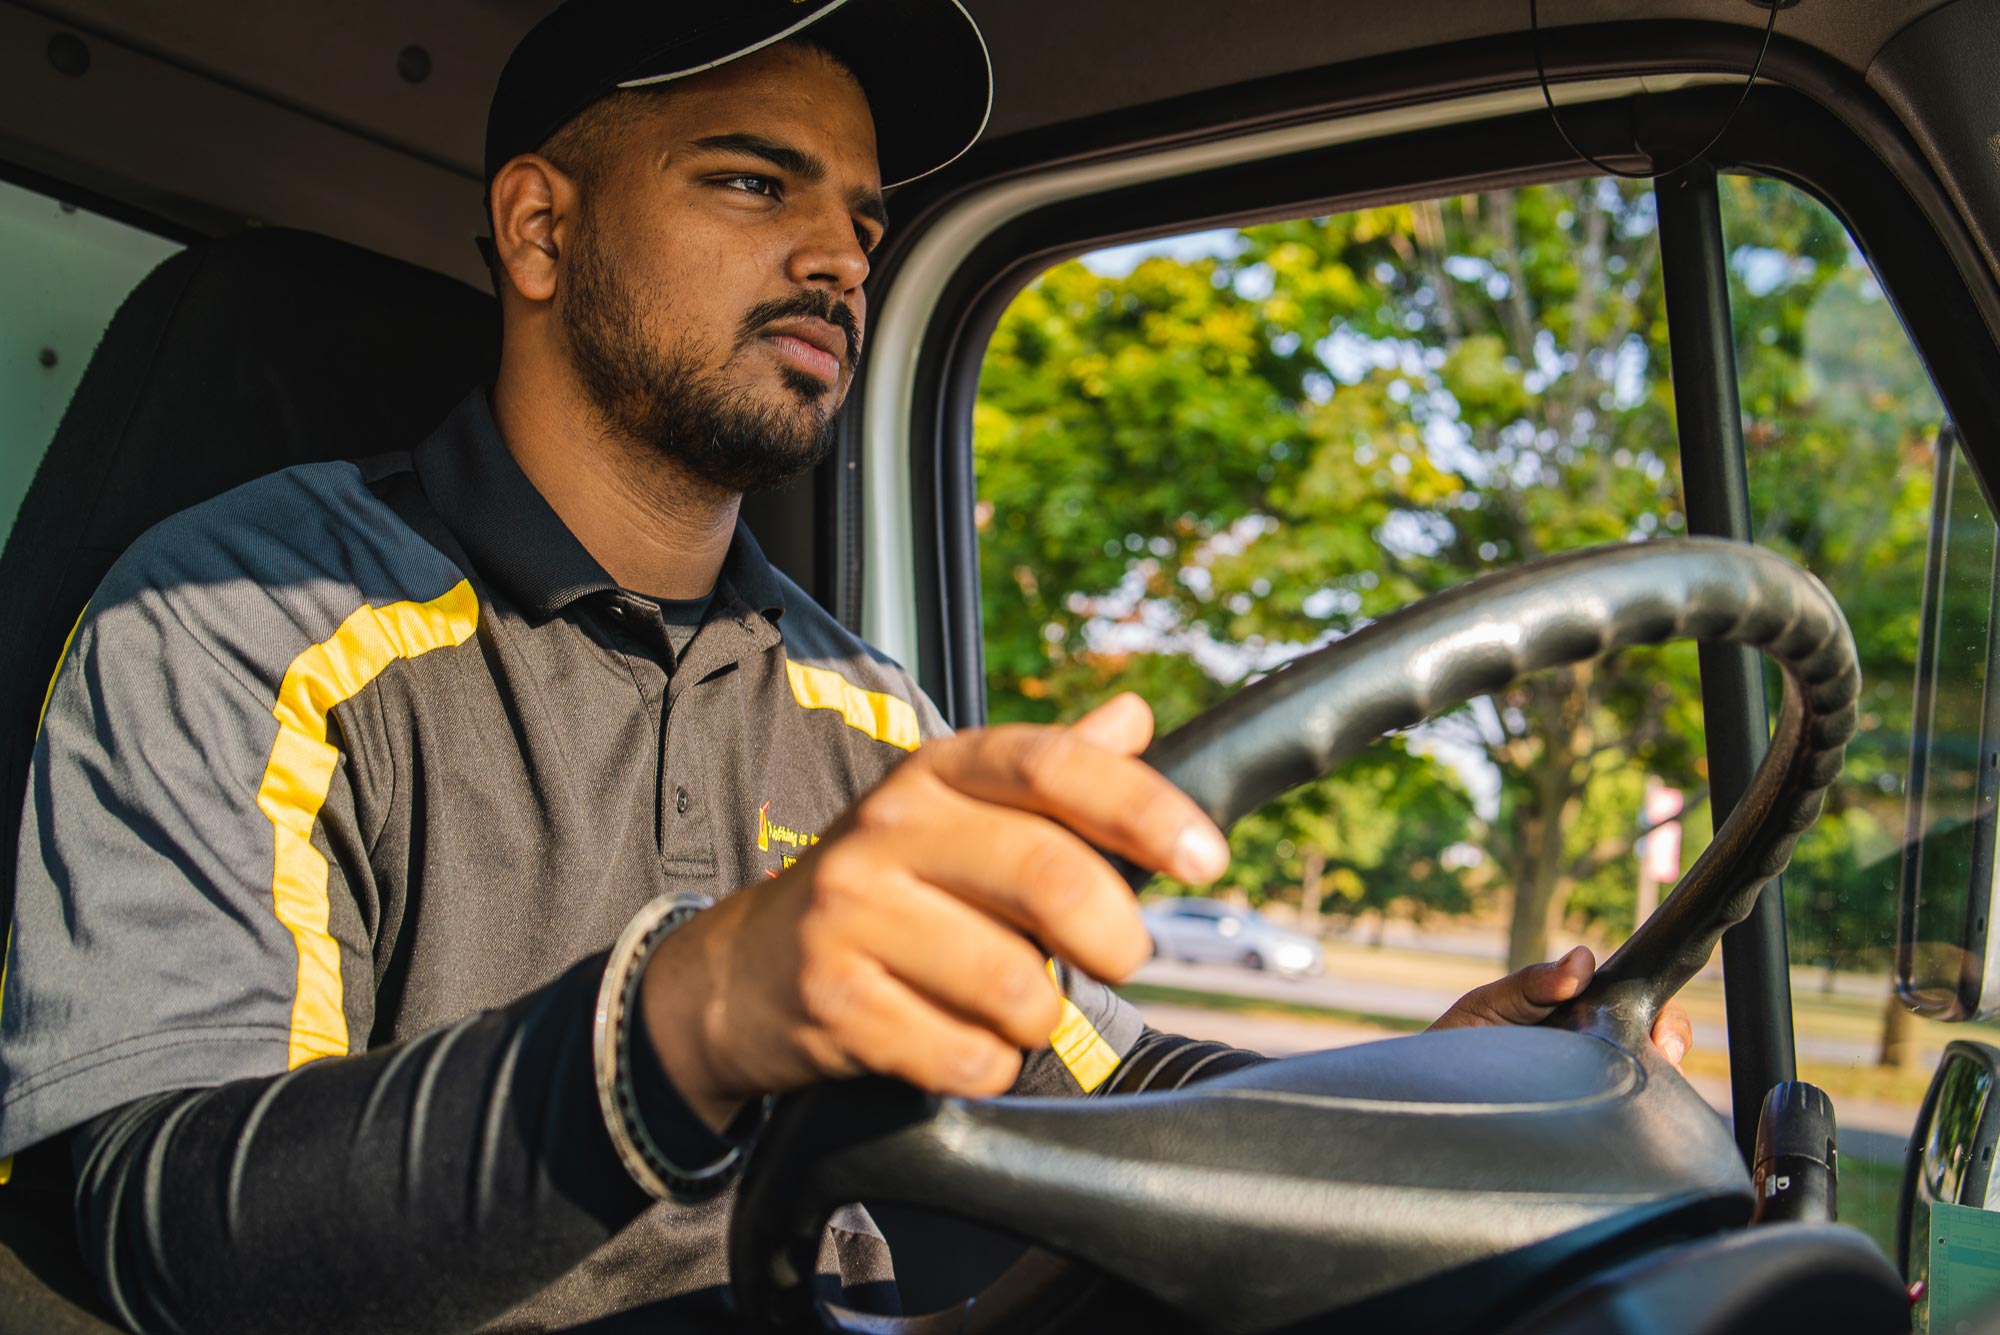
(428, 1186)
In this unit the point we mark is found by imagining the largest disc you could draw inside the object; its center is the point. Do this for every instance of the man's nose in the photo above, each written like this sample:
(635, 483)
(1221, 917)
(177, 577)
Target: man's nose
(830, 254)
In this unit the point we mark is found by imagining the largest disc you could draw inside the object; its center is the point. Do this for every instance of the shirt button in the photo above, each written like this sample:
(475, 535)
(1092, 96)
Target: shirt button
(681, 800)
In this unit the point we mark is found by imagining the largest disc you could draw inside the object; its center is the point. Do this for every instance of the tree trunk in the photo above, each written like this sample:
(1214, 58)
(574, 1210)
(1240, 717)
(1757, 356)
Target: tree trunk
(1541, 891)
(1899, 1035)
(1528, 933)
(1311, 888)
(1559, 709)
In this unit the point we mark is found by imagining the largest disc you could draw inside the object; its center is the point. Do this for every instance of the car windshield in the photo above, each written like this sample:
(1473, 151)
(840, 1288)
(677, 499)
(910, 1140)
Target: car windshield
(1202, 456)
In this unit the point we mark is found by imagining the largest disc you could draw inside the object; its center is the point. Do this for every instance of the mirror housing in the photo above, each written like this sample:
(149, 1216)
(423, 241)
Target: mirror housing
(1952, 1147)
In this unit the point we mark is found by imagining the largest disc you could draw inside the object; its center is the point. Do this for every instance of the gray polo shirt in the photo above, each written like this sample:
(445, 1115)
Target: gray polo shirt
(355, 751)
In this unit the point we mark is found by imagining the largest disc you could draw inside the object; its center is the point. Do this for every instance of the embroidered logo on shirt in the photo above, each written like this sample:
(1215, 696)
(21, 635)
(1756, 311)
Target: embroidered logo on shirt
(770, 832)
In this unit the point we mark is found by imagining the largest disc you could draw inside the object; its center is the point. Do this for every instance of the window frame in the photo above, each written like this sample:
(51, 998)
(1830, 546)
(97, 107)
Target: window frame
(68, 194)
(1813, 124)
(104, 206)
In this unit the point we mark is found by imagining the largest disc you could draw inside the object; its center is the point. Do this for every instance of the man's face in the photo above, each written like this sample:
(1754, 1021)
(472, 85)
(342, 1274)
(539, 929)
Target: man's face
(710, 296)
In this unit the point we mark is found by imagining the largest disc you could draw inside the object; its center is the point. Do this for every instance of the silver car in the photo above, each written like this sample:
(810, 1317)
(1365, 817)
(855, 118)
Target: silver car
(1209, 930)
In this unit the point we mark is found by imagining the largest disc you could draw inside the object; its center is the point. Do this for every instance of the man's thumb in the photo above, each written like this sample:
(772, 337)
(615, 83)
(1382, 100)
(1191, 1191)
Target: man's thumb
(1549, 985)
(1525, 996)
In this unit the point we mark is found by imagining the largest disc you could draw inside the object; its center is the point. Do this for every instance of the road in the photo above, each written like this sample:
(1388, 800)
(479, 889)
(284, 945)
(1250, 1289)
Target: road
(1336, 990)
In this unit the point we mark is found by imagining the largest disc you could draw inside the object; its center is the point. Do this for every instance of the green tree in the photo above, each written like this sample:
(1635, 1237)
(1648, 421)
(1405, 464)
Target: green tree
(1377, 836)
(1195, 470)
(1232, 458)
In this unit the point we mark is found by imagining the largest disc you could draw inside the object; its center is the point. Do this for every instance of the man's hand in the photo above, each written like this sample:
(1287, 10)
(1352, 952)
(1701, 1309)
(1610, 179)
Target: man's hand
(1528, 995)
(911, 940)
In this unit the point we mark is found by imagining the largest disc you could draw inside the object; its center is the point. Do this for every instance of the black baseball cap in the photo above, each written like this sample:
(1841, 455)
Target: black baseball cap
(921, 63)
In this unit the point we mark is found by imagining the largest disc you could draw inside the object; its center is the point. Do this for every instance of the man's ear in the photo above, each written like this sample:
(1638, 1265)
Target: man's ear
(532, 202)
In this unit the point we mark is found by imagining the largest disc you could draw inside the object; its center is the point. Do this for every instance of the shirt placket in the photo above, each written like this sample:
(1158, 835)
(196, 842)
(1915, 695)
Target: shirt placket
(687, 799)
(704, 777)
(641, 637)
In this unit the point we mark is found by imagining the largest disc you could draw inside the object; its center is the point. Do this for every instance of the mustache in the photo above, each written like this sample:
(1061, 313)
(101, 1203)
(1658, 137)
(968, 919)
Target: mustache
(822, 306)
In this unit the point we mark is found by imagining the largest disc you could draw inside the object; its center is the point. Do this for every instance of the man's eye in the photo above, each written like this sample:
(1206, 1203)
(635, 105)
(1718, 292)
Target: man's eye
(752, 185)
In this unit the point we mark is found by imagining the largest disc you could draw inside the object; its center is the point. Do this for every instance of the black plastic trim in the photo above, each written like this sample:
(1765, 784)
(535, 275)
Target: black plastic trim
(105, 206)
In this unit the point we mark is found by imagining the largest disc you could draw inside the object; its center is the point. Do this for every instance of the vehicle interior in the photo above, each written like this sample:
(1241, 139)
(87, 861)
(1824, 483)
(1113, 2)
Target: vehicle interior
(286, 199)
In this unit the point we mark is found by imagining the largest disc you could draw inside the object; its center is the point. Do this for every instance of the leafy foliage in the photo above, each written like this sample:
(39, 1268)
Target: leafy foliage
(1197, 469)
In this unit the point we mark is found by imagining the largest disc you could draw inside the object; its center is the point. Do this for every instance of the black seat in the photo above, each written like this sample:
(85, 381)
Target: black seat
(233, 359)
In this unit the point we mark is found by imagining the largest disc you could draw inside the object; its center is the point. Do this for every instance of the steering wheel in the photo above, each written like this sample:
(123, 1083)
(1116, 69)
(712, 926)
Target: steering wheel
(1321, 1183)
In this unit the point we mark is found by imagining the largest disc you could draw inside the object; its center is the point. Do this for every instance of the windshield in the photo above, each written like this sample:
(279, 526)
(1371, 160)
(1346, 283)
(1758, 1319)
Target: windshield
(1201, 456)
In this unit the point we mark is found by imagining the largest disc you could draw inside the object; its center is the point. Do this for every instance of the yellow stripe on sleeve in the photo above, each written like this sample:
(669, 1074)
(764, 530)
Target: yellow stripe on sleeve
(300, 773)
(1076, 1041)
(885, 717)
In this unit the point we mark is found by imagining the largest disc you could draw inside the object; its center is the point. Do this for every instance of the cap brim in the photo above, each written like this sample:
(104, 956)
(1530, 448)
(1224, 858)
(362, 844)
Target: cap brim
(922, 64)
(924, 67)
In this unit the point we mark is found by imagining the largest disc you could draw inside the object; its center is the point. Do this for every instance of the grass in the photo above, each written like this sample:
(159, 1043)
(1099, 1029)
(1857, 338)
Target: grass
(1139, 994)
(1867, 1198)
(1843, 1080)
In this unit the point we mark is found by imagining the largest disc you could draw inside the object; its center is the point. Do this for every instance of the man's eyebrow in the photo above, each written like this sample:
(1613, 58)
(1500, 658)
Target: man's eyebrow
(806, 166)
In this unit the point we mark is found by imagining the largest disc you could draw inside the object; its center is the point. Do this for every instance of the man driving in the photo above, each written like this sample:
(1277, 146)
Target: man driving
(431, 866)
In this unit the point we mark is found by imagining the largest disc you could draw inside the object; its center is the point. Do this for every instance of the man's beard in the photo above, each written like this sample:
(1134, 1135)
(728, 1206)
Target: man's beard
(661, 401)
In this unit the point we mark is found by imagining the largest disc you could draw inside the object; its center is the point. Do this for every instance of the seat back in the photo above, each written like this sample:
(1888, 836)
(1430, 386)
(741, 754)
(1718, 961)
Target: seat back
(233, 359)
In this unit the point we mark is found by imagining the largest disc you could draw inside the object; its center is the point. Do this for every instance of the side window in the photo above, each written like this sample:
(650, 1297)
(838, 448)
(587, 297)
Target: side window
(1200, 457)
(1841, 431)
(66, 273)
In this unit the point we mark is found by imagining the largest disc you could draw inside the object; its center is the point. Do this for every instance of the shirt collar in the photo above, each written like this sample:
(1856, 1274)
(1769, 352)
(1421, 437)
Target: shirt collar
(517, 541)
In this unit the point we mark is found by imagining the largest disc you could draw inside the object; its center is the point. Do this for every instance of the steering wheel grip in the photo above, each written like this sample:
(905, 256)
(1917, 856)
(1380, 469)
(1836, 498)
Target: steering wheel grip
(1476, 639)
(831, 1144)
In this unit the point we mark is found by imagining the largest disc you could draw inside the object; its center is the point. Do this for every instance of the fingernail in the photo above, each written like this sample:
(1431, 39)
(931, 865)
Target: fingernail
(1674, 1049)
(1200, 854)
(974, 1066)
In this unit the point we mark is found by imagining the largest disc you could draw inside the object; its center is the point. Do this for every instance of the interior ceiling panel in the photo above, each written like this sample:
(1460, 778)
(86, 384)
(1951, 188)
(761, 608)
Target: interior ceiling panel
(1054, 59)
(1111, 55)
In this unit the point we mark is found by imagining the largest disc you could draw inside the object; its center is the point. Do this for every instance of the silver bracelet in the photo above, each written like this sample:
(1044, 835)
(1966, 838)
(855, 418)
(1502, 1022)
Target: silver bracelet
(617, 1000)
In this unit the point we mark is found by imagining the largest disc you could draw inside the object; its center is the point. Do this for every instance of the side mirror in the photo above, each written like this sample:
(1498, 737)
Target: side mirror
(1947, 961)
(1951, 1155)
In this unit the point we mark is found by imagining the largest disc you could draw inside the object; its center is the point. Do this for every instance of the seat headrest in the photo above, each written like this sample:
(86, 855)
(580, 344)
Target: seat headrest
(232, 359)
